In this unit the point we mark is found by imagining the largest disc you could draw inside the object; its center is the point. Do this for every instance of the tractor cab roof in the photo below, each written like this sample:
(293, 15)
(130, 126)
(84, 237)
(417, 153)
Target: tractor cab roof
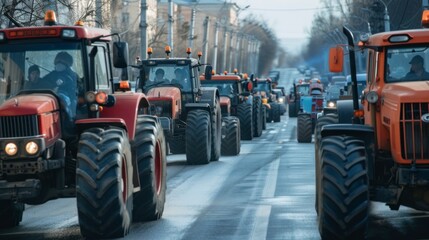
(223, 78)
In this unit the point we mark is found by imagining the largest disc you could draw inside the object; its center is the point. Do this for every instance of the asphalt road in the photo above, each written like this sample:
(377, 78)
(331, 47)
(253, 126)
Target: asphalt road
(266, 192)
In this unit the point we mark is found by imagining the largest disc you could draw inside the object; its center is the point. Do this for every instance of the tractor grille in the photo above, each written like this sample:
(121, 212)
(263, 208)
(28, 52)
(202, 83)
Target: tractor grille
(413, 131)
(19, 126)
(161, 108)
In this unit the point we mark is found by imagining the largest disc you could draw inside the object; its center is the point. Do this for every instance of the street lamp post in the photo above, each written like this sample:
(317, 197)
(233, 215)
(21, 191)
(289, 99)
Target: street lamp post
(386, 17)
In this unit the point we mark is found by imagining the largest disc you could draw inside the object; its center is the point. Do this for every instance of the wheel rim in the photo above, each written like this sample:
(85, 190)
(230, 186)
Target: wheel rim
(158, 167)
(124, 183)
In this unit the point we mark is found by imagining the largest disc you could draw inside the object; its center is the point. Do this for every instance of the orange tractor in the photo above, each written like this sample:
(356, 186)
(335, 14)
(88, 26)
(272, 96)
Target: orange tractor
(194, 116)
(68, 134)
(376, 148)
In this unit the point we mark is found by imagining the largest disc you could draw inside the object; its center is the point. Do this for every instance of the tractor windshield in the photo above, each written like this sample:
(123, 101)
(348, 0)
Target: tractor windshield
(168, 74)
(37, 66)
(407, 64)
(225, 88)
(263, 86)
(303, 89)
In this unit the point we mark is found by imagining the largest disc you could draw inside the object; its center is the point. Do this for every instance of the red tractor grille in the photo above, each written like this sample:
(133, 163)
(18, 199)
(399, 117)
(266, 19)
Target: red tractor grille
(413, 131)
(19, 126)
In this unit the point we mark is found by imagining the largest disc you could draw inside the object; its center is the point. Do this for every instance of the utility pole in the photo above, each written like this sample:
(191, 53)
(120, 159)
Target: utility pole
(192, 32)
(170, 26)
(205, 38)
(99, 13)
(237, 50)
(143, 29)
(215, 46)
(231, 50)
(225, 49)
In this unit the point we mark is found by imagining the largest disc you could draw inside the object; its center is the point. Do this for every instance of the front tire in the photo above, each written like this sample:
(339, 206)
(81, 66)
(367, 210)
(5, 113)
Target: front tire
(104, 184)
(10, 213)
(150, 154)
(231, 143)
(216, 133)
(198, 137)
(257, 117)
(304, 128)
(344, 189)
(244, 113)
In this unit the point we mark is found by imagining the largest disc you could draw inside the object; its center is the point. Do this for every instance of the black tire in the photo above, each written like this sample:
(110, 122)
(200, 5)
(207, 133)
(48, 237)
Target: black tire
(104, 183)
(216, 132)
(276, 112)
(264, 117)
(269, 114)
(198, 137)
(231, 143)
(304, 128)
(344, 189)
(150, 154)
(292, 110)
(177, 145)
(321, 121)
(257, 117)
(10, 213)
(244, 113)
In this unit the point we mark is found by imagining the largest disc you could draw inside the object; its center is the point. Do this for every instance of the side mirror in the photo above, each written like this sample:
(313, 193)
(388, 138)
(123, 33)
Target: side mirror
(208, 72)
(120, 54)
(336, 59)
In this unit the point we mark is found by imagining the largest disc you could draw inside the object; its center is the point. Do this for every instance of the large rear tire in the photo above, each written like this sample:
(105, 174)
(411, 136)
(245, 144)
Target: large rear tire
(304, 128)
(231, 143)
(321, 121)
(150, 154)
(257, 116)
(344, 194)
(198, 137)
(216, 132)
(177, 145)
(104, 183)
(10, 213)
(244, 113)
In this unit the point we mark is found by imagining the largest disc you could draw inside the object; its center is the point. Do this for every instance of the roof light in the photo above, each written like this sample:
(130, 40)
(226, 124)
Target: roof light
(50, 18)
(225, 72)
(79, 23)
(213, 72)
(399, 38)
(425, 19)
(149, 51)
(168, 51)
(188, 50)
(235, 70)
(68, 33)
(200, 54)
(124, 85)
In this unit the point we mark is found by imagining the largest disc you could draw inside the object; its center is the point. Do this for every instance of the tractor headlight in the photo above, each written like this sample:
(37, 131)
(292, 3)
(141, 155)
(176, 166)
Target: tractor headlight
(372, 97)
(331, 104)
(11, 149)
(90, 97)
(31, 148)
(281, 100)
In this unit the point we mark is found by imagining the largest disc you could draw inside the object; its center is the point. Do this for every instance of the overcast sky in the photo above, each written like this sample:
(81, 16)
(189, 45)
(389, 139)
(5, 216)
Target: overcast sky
(290, 19)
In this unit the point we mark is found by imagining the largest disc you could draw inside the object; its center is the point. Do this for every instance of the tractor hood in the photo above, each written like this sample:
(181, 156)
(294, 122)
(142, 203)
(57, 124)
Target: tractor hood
(166, 93)
(32, 104)
(406, 92)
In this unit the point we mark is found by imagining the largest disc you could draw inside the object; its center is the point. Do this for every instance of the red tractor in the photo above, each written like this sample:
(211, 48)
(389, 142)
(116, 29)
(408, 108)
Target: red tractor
(68, 134)
(236, 111)
(193, 112)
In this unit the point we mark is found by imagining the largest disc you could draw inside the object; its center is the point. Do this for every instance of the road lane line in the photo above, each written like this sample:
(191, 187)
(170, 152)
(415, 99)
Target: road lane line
(262, 215)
